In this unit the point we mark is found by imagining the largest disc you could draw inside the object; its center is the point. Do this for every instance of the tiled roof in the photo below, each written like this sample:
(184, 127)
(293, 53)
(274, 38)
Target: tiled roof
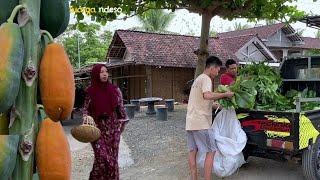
(174, 50)
(311, 43)
(233, 44)
(160, 49)
(262, 31)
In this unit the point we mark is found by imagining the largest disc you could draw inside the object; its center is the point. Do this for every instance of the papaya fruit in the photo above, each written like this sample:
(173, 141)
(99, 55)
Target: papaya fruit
(4, 123)
(8, 154)
(56, 81)
(54, 16)
(6, 8)
(11, 62)
(53, 156)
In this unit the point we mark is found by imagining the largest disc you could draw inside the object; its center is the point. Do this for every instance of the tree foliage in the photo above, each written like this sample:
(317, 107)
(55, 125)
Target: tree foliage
(317, 35)
(228, 9)
(213, 33)
(300, 31)
(271, 22)
(155, 20)
(238, 26)
(92, 45)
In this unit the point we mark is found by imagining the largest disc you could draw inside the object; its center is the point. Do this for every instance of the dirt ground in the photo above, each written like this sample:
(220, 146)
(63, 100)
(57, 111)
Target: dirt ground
(158, 149)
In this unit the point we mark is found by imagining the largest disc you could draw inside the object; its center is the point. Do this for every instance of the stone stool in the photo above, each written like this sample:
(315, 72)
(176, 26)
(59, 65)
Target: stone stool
(162, 114)
(170, 104)
(130, 108)
(136, 102)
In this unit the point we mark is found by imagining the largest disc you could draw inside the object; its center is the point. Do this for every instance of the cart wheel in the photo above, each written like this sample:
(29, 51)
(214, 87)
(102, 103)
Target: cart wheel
(311, 161)
(246, 153)
(246, 156)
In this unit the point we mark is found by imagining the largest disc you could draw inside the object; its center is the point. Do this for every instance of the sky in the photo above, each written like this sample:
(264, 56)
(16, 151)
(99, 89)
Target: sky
(186, 22)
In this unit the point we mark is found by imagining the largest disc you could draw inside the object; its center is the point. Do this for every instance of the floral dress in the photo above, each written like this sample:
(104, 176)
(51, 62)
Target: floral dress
(106, 148)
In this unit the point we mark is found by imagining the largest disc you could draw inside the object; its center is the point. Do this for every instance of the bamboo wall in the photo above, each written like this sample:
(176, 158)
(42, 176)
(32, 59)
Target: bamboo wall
(164, 82)
(170, 83)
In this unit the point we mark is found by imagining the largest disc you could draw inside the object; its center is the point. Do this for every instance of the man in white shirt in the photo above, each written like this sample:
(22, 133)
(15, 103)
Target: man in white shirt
(199, 117)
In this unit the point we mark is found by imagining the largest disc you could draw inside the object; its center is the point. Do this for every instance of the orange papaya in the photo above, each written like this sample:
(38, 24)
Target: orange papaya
(56, 80)
(53, 156)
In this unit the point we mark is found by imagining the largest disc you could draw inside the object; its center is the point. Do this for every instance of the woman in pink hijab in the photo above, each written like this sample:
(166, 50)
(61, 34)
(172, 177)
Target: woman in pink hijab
(104, 103)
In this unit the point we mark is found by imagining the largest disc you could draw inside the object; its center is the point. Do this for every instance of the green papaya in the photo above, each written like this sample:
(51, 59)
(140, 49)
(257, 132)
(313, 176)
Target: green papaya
(54, 16)
(6, 8)
(11, 62)
(8, 154)
(4, 123)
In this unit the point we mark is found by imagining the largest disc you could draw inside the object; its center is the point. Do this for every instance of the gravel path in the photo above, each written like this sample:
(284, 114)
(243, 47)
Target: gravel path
(157, 146)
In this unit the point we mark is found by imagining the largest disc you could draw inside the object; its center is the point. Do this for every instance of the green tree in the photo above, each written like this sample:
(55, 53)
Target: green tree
(93, 46)
(317, 35)
(300, 32)
(155, 20)
(213, 33)
(191, 33)
(314, 51)
(270, 22)
(239, 26)
(227, 9)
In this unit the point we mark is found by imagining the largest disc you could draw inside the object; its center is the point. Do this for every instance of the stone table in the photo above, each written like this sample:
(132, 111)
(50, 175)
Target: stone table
(150, 101)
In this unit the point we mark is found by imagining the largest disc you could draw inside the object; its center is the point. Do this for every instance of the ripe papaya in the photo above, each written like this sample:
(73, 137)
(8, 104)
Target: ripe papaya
(11, 62)
(54, 16)
(53, 154)
(6, 9)
(56, 80)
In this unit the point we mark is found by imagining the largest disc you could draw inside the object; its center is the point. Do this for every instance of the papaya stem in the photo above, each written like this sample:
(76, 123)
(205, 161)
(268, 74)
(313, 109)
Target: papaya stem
(14, 13)
(44, 32)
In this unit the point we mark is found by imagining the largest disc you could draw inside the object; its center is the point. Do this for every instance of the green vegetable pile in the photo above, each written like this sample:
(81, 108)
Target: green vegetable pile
(258, 87)
(306, 93)
(245, 94)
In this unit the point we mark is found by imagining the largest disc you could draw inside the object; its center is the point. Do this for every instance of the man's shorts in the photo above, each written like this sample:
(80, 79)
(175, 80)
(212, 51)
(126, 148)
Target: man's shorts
(201, 140)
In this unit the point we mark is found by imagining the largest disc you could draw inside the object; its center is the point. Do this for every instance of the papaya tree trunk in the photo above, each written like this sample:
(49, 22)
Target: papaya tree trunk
(204, 39)
(24, 113)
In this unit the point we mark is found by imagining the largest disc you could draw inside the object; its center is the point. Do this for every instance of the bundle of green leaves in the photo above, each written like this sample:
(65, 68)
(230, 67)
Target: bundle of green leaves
(267, 82)
(244, 94)
(258, 87)
(306, 93)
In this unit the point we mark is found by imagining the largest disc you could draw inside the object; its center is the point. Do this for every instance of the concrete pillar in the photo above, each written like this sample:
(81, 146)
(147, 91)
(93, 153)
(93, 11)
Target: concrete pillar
(162, 113)
(130, 108)
(149, 81)
(284, 53)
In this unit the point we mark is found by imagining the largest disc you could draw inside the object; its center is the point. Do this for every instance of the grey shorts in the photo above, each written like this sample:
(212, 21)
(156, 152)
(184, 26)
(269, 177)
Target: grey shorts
(201, 141)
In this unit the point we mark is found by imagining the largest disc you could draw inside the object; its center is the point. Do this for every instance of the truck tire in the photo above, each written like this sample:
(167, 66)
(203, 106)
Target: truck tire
(311, 161)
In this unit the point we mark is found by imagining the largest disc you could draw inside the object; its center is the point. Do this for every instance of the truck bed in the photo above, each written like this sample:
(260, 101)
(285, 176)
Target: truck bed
(279, 132)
